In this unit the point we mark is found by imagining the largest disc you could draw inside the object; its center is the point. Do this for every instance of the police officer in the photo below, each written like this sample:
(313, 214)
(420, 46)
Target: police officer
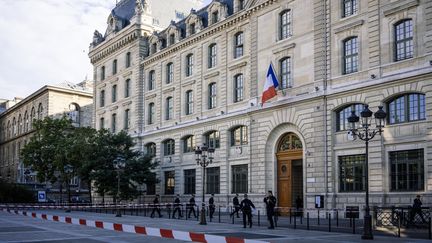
(270, 202)
(156, 206)
(177, 207)
(236, 206)
(212, 207)
(246, 206)
(191, 206)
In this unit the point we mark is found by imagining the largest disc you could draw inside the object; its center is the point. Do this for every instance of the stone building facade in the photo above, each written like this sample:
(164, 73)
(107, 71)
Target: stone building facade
(200, 81)
(76, 101)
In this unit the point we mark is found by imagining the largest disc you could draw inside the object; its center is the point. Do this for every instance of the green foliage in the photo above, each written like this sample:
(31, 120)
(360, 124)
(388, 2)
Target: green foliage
(12, 193)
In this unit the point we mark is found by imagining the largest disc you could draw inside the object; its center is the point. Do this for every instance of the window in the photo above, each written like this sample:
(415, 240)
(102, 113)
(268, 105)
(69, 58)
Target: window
(189, 181)
(151, 80)
(169, 108)
(127, 88)
(151, 113)
(169, 148)
(20, 124)
(212, 96)
(103, 73)
(404, 47)
(212, 55)
(128, 59)
(40, 112)
(172, 39)
(113, 123)
(114, 93)
(189, 65)
(169, 182)
(239, 179)
(285, 24)
(74, 114)
(32, 117)
(150, 149)
(349, 7)
(102, 98)
(26, 122)
(238, 48)
(352, 173)
(238, 88)
(215, 16)
(241, 5)
(169, 72)
(406, 108)
(350, 55)
(239, 136)
(188, 144)
(213, 139)
(342, 115)
(407, 170)
(189, 102)
(127, 119)
(154, 48)
(213, 177)
(114, 67)
(285, 73)
(151, 188)
(14, 127)
(102, 123)
(192, 29)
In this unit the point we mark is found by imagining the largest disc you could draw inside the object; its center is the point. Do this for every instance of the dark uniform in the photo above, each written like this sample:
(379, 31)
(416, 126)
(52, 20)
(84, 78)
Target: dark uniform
(156, 207)
(191, 207)
(270, 202)
(177, 208)
(212, 207)
(246, 206)
(236, 206)
(416, 209)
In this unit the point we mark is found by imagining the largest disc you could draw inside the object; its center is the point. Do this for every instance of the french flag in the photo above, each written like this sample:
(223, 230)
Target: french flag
(270, 85)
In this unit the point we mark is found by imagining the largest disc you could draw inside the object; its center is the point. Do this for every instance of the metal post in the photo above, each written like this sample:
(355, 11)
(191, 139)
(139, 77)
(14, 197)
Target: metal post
(290, 213)
(260, 220)
(367, 221)
(329, 222)
(399, 226)
(219, 214)
(337, 218)
(295, 221)
(429, 229)
(307, 220)
(318, 216)
(354, 227)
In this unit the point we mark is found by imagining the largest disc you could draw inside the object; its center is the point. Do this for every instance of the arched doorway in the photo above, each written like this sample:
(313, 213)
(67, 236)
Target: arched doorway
(289, 170)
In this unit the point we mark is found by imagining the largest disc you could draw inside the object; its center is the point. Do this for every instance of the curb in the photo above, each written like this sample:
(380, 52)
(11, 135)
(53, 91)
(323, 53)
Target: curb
(149, 231)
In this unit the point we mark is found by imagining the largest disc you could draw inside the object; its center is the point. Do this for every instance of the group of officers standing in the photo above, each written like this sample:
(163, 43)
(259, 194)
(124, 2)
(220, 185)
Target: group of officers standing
(245, 206)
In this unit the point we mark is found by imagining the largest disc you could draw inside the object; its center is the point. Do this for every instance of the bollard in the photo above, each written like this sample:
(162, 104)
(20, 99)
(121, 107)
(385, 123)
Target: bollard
(295, 221)
(337, 218)
(399, 226)
(430, 230)
(301, 218)
(260, 220)
(198, 213)
(290, 213)
(219, 214)
(276, 217)
(233, 219)
(353, 230)
(329, 223)
(307, 220)
(318, 217)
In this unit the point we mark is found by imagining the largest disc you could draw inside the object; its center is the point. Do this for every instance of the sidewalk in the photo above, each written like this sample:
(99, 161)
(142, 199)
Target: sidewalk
(220, 229)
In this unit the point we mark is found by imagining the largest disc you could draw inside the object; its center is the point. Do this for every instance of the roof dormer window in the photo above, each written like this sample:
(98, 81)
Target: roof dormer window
(215, 16)
(172, 39)
(192, 29)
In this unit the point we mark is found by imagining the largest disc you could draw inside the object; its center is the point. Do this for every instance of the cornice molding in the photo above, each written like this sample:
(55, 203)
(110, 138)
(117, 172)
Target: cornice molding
(399, 6)
(349, 26)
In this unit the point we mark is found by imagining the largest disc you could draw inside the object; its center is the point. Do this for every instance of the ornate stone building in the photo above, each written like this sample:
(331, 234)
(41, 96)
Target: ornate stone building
(200, 81)
(16, 124)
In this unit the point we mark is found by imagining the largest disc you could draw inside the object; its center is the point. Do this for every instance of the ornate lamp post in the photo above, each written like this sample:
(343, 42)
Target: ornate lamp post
(68, 169)
(364, 132)
(204, 157)
(119, 164)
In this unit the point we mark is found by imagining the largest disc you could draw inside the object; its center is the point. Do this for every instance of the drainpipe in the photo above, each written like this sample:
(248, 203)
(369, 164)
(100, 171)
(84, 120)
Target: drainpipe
(326, 72)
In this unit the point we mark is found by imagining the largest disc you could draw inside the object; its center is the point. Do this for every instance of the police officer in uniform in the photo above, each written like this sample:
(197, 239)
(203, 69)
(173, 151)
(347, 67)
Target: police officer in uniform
(156, 206)
(212, 207)
(236, 206)
(191, 206)
(246, 206)
(270, 202)
(177, 207)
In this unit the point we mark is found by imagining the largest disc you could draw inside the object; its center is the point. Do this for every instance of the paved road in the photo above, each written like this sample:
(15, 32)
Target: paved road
(15, 228)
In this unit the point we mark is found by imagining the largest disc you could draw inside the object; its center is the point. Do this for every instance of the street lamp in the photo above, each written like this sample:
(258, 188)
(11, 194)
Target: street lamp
(119, 164)
(364, 132)
(68, 169)
(204, 157)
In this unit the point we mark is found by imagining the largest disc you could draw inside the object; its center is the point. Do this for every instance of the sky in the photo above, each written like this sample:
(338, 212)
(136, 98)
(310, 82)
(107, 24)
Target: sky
(46, 42)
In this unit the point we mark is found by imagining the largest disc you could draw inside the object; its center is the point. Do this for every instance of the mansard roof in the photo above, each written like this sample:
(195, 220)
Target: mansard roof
(125, 10)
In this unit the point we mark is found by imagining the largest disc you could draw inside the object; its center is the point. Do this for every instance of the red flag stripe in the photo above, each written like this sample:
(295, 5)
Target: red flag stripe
(197, 237)
(166, 233)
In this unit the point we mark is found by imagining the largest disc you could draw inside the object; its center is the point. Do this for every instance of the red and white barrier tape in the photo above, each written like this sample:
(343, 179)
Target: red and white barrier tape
(149, 231)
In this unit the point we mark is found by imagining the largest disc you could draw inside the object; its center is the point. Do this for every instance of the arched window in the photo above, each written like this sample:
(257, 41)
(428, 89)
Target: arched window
(153, 48)
(285, 73)
(150, 149)
(151, 80)
(240, 5)
(189, 65)
(32, 117)
(169, 108)
(151, 113)
(239, 136)
(350, 55)
(74, 114)
(349, 7)
(113, 123)
(192, 29)
(238, 45)
(406, 108)
(212, 55)
(189, 102)
(26, 122)
(188, 144)
(114, 93)
(102, 98)
(127, 87)
(212, 96)
(14, 127)
(20, 124)
(289, 141)
(40, 112)
(126, 120)
(9, 130)
(342, 115)
(114, 67)
(102, 123)
(403, 39)
(285, 24)
(172, 39)
(128, 59)
(215, 17)
(238, 88)
(169, 147)
(169, 73)
(212, 139)
(102, 73)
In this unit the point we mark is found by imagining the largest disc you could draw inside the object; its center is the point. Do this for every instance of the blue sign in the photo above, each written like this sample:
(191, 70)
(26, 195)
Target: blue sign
(41, 196)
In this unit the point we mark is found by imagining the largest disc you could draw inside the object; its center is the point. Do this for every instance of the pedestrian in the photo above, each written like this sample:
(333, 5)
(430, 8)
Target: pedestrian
(270, 202)
(156, 207)
(191, 206)
(246, 206)
(177, 207)
(212, 206)
(416, 209)
(236, 205)
(299, 206)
